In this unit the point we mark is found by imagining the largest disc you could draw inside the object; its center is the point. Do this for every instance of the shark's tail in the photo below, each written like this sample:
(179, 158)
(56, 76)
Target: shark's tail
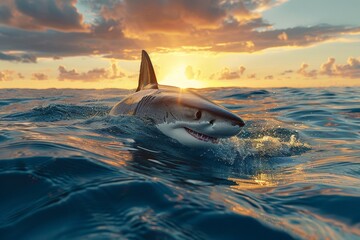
(147, 77)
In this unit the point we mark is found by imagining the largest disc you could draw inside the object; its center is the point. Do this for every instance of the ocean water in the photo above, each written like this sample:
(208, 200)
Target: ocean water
(70, 171)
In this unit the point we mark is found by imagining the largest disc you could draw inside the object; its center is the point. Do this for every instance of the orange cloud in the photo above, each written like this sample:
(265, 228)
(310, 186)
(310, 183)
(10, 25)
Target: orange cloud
(349, 70)
(164, 16)
(304, 71)
(39, 76)
(96, 74)
(190, 73)
(286, 72)
(227, 74)
(251, 76)
(120, 29)
(7, 75)
(41, 14)
(283, 36)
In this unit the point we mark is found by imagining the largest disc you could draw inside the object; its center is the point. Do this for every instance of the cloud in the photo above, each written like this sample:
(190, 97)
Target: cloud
(116, 73)
(269, 77)
(227, 74)
(287, 72)
(349, 70)
(72, 75)
(5, 14)
(63, 44)
(251, 76)
(163, 15)
(190, 73)
(39, 76)
(20, 76)
(7, 75)
(283, 36)
(327, 68)
(304, 71)
(120, 29)
(95, 74)
(262, 5)
(242, 70)
(41, 14)
(25, 58)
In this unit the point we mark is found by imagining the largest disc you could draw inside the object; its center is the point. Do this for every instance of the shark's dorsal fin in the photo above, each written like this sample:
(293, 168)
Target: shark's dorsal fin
(147, 74)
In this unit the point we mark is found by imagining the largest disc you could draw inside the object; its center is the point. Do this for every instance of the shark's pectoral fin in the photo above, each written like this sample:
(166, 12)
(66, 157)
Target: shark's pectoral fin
(147, 75)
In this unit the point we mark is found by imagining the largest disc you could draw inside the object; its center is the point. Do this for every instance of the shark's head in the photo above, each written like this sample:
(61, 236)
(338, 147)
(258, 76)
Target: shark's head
(192, 119)
(183, 114)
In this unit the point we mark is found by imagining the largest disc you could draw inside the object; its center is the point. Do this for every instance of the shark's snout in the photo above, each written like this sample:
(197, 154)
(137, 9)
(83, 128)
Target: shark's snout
(239, 123)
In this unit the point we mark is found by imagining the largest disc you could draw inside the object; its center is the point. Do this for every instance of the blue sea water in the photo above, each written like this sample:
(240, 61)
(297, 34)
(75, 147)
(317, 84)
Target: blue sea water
(70, 171)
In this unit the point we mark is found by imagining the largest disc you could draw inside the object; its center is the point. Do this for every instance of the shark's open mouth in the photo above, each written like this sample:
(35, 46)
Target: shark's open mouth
(201, 136)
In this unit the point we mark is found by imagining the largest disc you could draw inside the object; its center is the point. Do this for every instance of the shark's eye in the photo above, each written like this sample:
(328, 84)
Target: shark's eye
(198, 115)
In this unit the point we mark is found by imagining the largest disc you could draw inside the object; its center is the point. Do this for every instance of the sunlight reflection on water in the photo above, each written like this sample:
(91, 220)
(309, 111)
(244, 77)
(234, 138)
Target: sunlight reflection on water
(293, 172)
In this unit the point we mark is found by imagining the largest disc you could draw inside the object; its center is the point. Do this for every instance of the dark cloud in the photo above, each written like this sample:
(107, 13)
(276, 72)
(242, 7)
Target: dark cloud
(40, 14)
(5, 14)
(96, 74)
(242, 39)
(164, 15)
(25, 58)
(269, 77)
(121, 28)
(107, 29)
(52, 43)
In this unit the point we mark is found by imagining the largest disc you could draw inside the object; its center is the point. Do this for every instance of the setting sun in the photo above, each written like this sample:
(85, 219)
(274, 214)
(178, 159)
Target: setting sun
(178, 78)
(179, 119)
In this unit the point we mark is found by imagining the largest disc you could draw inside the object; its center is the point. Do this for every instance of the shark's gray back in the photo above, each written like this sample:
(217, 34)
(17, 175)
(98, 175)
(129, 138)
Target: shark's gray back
(164, 103)
(129, 104)
(154, 104)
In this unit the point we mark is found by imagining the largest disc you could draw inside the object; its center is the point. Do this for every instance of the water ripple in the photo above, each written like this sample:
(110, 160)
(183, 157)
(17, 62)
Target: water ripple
(70, 171)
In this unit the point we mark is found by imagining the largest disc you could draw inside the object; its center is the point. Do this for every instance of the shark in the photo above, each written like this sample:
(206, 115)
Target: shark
(181, 114)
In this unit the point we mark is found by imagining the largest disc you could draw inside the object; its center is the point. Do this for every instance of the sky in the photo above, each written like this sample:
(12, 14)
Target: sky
(192, 43)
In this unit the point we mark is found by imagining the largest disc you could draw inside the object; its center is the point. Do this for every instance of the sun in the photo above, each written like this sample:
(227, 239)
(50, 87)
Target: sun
(177, 78)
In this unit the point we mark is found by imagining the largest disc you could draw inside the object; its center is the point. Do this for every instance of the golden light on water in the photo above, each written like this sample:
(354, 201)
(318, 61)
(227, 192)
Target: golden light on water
(261, 182)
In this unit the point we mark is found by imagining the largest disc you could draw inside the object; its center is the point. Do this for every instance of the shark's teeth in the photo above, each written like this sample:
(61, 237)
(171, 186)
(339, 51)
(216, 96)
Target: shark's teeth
(201, 136)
